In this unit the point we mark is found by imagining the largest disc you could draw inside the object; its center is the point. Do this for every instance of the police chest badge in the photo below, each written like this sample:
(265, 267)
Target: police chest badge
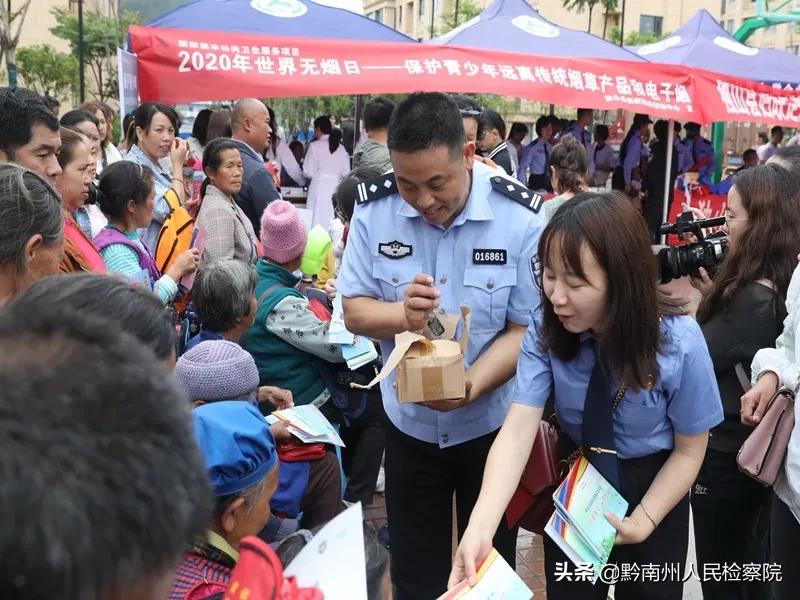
(489, 256)
(394, 250)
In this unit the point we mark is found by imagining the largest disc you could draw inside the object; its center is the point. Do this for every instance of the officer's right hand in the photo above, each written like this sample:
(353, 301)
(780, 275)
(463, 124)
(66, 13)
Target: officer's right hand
(421, 297)
(754, 402)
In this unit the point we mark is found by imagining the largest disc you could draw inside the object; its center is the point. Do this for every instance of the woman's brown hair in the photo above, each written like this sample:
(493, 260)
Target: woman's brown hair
(616, 235)
(571, 164)
(768, 247)
(70, 138)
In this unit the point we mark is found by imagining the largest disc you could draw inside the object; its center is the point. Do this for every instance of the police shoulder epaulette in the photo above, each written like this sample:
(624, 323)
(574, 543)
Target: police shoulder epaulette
(518, 192)
(376, 188)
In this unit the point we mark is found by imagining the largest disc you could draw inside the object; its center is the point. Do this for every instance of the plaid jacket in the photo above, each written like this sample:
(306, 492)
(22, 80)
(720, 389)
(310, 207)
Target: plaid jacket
(204, 572)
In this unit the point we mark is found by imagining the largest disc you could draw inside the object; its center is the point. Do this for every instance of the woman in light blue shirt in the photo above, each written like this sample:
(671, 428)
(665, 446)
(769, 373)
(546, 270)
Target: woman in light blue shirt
(156, 127)
(598, 282)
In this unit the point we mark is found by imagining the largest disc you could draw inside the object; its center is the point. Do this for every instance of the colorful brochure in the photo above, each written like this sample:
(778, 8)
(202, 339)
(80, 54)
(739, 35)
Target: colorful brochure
(361, 352)
(579, 525)
(199, 242)
(337, 332)
(307, 424)
(496, 581)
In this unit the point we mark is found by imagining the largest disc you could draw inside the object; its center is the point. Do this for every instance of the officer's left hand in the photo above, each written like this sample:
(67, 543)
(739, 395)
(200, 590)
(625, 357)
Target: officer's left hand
(633, 529)
(448, 405)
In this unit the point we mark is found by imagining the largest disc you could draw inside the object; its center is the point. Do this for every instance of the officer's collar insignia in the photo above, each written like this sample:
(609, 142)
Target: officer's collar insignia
(395, 249)
(376, 188)
(517, 192)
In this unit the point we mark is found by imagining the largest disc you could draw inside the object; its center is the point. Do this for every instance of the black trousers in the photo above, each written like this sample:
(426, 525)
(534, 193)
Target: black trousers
(364, 442)
(731, 516)
(666, 546)
(421, 479)
(653, 210)
(785, 549)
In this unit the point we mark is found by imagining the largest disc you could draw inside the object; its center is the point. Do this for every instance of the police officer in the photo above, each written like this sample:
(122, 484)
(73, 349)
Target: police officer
(633, 386)
(536, 158)
(443, 230)
(683, 149)
(579, 130)
(703, 160)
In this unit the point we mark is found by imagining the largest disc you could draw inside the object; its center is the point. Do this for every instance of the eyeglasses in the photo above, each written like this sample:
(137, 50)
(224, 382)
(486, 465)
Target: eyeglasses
(469, 112)
(729, 219)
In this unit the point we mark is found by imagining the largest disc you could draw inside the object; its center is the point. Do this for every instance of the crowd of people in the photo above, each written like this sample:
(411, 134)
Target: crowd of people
(151, 470)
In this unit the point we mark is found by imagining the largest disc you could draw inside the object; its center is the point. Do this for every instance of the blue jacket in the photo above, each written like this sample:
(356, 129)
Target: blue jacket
(258, 188)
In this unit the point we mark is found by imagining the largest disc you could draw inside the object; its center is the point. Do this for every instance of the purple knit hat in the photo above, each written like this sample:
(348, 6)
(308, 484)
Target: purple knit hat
(217, 370)
(283, 233)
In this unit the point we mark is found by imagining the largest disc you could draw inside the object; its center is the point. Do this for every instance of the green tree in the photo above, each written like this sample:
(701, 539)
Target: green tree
(102, 35)
(149, 9)
(634, 38)
(608, 6)
(48, 71)
(467, 9)
(579, 6)
(9, 39)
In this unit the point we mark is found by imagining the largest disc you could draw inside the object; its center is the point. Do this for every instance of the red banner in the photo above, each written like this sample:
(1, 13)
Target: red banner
(181, 66)
(728, 99)
(177, 65)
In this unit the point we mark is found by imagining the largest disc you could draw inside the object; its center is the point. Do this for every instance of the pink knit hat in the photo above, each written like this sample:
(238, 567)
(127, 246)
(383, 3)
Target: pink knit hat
(283, 232)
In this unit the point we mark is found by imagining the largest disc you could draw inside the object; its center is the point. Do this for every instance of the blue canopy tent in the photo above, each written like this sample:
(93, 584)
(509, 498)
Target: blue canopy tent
(298, 18)
(704, 43)
(513, 26)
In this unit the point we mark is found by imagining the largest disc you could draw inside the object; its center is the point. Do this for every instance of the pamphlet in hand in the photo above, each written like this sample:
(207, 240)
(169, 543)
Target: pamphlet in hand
(307, 424)
(496, 580)
(199, 242)
(357, 350)
(337, 332)
(333, 561)
(579, 525)
(361, 352)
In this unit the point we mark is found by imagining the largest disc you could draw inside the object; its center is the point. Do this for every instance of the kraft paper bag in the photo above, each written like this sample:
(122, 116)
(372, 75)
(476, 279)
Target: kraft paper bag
(429, 369)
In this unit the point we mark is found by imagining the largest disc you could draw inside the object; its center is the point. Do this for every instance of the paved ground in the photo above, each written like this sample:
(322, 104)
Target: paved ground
(530, 555)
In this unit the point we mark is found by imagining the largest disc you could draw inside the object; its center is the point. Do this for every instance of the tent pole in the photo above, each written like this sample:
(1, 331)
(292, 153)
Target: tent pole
(357, 122)
(668, 174)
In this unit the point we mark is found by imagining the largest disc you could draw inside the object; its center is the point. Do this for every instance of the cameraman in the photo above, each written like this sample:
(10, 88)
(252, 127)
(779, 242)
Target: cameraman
(742, 310)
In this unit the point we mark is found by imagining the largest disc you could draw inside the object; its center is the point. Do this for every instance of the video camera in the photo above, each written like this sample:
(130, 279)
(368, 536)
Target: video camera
(680, 261)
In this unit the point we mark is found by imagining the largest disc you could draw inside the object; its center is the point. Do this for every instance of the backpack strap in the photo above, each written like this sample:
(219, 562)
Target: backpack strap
(171, 196)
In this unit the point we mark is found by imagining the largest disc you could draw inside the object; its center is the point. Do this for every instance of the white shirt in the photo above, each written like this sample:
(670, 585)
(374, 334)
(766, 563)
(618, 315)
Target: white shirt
(765, 151)
(783, 361)
(325, 169)
(283, 156)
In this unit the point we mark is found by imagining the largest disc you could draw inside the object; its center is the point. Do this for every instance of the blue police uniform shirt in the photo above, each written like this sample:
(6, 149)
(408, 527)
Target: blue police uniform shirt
(703, 151)
(633, 155)
(684, 150)
(534, 159)
(490, 224)
(685, 398)
(585, 138)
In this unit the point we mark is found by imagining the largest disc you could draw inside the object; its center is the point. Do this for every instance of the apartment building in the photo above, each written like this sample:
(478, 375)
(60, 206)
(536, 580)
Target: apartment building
(39, 21)
(418, 18)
